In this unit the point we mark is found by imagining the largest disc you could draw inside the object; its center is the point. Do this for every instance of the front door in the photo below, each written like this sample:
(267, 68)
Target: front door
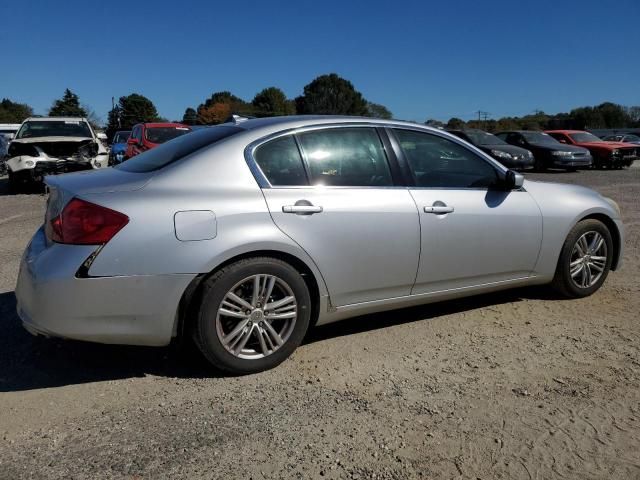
(331, 190)
(472, 233)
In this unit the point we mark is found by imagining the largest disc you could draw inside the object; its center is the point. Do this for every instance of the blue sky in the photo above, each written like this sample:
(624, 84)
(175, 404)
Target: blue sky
(421, 59)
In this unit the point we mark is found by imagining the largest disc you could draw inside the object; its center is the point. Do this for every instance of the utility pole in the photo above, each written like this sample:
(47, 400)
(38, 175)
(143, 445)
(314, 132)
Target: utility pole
(482, 116)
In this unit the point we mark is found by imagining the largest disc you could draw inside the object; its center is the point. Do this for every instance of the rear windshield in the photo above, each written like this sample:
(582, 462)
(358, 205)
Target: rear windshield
(164, 134)
(176, 149)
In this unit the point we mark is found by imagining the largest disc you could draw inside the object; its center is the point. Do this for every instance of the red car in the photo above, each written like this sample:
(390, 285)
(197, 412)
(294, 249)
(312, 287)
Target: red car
(605, 154)
(145, 136)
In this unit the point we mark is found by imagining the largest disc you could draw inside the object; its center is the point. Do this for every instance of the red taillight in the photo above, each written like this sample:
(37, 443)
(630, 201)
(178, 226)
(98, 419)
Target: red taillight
(84, 223)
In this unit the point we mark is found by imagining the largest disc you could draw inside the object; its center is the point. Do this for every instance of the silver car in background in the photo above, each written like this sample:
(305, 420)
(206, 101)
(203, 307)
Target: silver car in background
(247, 234)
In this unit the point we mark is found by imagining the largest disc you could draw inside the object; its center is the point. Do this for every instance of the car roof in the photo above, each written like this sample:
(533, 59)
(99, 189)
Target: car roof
(566, 131)
(274, 124)
(163, 124)
(56, 119)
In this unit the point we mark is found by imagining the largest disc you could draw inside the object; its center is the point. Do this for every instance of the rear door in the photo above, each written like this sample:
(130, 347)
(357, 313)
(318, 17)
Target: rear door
(472, 233)
(334, 192)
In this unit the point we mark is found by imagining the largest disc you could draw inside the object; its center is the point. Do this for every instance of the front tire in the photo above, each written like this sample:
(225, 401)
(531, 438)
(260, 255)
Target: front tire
(254, 314)
(585, 259)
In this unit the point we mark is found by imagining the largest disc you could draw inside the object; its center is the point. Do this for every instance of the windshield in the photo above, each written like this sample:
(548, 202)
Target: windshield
(478, 137)
(160, 157)
(631, 138)
(121, 137)
(584, 137)
(57, 128)
(164, 134)
(540, 137)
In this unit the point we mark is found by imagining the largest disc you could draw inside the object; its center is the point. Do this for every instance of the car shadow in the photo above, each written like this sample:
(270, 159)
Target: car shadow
(27, 189)
(28, 362)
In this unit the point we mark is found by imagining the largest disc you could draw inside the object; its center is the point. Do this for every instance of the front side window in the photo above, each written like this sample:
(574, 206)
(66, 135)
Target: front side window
(280, 162)
(437, 162)
(351, 156)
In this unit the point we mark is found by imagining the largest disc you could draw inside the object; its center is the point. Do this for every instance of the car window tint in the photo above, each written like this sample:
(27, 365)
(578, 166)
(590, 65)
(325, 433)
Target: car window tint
(351, 157)
(280, 162)
(438, 162)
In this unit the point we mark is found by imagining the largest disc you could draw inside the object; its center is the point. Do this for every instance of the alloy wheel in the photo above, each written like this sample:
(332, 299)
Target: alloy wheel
(256, 316)
(588, 259)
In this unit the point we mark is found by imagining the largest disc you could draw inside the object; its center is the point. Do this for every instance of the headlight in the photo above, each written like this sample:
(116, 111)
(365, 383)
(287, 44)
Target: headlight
(613, 204)
(559, 153)
(29, 163)
(500, 154)
(615, 153)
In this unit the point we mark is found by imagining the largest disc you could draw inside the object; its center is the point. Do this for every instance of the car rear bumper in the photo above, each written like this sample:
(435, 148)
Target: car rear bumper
(132, 310)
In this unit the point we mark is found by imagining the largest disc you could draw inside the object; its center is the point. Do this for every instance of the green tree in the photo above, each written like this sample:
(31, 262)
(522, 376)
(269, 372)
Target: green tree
(190, 117)
(375, 110)
(67, 106)
(613, 115)
(272, 102)
(432, 122)
(455, 123)
(331, 95)
(217, 108)
(12, 112)
(130, 110)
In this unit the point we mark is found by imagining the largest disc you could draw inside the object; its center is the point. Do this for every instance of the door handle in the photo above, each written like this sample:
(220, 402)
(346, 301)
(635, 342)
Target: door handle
(439, 209)
(302, 209)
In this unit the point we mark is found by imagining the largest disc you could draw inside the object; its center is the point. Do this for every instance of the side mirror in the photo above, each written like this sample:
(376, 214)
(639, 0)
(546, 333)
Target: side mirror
(513, 180)
(562, 140)
(132, 141)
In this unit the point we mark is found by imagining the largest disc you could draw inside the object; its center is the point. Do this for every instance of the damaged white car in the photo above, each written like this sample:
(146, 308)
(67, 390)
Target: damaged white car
(52, 145)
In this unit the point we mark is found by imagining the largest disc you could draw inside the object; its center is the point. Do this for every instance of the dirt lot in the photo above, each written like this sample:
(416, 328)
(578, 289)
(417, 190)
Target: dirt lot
(511, 385)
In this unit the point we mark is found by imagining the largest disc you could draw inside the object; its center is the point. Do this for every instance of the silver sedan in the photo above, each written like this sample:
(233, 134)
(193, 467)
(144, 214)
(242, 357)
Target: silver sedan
(247, 234)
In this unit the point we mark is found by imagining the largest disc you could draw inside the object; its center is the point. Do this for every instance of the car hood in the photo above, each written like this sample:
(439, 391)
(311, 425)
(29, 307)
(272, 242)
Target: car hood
(51, 139)
(560, 147)
(512, 149)
(605, 145)
(106, 180)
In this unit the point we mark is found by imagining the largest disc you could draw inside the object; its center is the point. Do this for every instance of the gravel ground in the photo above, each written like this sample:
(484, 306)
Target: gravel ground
(518, 384)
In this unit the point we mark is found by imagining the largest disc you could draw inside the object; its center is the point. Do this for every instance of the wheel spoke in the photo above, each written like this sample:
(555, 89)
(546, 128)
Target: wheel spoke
(280, 316)
(230, 313)
(575, 271)
(599, 268)
(597, 245)
(583, 244)
(280, 303)
(586, 277)
(263, 344)
(273, 335)
(243, 340)
(256, 291)
(575, 262)
(269, 288)
(234, 333)
(238, 300)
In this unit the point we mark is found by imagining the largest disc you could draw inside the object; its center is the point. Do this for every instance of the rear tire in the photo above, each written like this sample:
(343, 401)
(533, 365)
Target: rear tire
(585, 259)
(237, 330)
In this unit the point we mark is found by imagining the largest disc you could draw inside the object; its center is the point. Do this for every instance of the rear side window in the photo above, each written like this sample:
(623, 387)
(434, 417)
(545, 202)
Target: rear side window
(351, 157)
(176, 149)
(281, 163)
(437, 162)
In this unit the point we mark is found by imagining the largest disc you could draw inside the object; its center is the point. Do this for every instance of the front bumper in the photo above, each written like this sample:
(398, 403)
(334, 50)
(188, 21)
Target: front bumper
(131, 310)
(573, 162)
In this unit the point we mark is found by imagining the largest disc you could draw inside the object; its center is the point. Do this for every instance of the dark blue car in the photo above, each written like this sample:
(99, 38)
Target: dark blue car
(119, 147)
